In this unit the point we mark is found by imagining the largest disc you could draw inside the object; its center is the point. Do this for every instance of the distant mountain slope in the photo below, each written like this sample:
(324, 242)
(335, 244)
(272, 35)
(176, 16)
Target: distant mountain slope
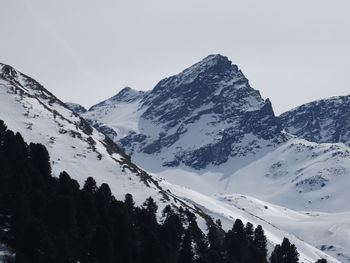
(326, 120)
(118, 115)
(201, 116)
(298, 174)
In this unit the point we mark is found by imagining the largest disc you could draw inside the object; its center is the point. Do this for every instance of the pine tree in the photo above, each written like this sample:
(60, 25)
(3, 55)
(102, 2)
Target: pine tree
(214, 238)
(129, 203)
(285, 253)
(238, 229)
(249, 232)
(260, 243)
(3, 129)
(40, 158)
(90, 185)
(173, 230)
(67, 185)
(102, 245)
(14, 147)
(104, 193)
(150, 205)
(61, 213)
(186, 253)
(289, 251)
(277, 255)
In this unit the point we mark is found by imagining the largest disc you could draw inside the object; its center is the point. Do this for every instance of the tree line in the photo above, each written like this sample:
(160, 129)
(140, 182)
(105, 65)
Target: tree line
(49, 219)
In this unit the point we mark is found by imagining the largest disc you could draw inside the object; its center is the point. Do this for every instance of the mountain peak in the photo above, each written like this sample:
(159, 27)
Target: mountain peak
(126, 92)
(126, 95)
(214, 59)
(213, 65)
(210, 75)
(8, 70)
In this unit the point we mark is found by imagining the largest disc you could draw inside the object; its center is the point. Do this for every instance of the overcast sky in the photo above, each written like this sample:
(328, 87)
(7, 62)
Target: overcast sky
(86, 51)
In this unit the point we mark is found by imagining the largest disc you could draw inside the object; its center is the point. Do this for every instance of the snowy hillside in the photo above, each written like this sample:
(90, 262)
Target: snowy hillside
(74, 146)
(298, 174)
(326, 231)
(326, 120)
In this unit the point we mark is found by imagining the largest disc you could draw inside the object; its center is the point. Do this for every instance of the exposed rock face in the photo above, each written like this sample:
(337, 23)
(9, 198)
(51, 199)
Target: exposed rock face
(326, 120)
(201, 116)
(77, 108)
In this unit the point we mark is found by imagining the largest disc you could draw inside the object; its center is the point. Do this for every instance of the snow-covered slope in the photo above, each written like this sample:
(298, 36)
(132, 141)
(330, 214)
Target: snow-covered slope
(298, 174)
(326, 120)
(73, 145)
(328, 232)
(204, 115)
(82, 151)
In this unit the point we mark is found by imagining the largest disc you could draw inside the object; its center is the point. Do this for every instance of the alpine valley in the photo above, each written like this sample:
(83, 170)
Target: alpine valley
(206, 141)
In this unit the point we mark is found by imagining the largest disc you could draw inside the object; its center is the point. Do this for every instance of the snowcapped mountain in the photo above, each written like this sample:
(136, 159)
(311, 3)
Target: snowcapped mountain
(207, 130)
(82, 151)
(326, 120)
(204, 115)
(77, 108)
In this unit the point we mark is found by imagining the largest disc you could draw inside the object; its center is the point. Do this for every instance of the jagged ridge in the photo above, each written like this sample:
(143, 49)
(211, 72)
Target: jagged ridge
(326, 120)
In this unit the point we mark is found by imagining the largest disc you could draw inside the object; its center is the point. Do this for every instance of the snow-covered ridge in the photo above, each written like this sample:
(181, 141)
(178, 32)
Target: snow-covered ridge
(326, 120)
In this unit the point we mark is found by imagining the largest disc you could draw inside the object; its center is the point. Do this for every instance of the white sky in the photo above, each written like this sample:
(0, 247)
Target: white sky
(86, 51)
